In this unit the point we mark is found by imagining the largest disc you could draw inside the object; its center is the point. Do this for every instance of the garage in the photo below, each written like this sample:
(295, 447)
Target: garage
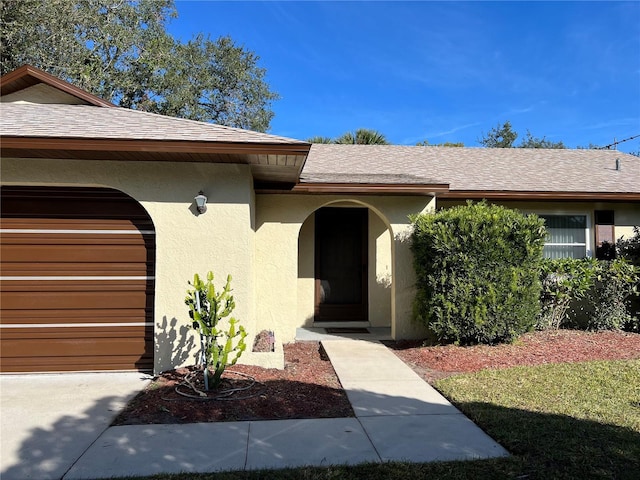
(76, 280)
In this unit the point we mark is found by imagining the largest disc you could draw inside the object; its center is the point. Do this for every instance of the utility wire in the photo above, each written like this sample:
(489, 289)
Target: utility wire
(608, 147)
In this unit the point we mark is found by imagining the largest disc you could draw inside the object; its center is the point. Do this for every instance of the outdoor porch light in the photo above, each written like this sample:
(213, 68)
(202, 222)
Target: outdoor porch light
(201, 202)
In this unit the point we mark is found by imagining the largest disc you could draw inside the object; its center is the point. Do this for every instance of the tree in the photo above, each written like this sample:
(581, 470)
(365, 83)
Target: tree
(362, 136)
(425, 143)
(121, 51)
(503, 136)
(500, 136)
(532, 142)
(320, 139)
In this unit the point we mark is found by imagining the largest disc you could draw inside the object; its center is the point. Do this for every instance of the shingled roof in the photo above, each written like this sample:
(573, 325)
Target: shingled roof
(83, 126)
(484, 171)
(91, 122)
(45, 117)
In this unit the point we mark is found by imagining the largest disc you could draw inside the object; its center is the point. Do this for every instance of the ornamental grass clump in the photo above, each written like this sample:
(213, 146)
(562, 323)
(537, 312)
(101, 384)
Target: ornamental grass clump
(477, 272)
(220, 346)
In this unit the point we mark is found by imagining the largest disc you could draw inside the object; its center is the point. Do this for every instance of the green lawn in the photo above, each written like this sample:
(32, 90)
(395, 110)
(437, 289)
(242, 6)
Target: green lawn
(564, 421)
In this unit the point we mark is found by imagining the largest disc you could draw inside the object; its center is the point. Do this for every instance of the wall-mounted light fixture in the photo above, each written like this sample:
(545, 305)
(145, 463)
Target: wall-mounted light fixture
(201, 202)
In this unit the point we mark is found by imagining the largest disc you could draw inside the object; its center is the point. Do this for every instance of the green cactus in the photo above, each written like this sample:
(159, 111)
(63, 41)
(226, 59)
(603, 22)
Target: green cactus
(207, 308)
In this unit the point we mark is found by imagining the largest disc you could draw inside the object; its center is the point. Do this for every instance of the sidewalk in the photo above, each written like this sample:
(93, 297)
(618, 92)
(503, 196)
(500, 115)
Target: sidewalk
(398, 417)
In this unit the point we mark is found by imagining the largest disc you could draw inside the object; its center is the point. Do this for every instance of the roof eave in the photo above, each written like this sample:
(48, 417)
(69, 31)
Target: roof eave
(538, 195)
(14, 144)
(357, 189)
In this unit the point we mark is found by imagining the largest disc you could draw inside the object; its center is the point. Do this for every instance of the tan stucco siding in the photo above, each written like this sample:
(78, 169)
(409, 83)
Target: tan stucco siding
(380, 261)
(41, 93)
(220, 240)
(284, 259)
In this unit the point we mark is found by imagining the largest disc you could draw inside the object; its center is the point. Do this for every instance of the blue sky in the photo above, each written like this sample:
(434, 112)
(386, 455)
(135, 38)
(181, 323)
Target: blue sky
(440, 71)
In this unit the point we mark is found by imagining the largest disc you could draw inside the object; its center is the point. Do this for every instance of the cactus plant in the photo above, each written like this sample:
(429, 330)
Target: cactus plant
(220, 347)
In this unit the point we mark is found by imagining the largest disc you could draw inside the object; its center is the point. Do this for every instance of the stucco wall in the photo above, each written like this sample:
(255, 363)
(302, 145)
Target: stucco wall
(284, 279)
(220, 240)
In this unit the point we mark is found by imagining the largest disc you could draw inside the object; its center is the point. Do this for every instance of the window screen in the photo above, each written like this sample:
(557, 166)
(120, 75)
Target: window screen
(566, 236)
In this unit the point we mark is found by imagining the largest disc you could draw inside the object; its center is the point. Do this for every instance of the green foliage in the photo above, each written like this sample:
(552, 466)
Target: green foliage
(503, 136)
(500, 136)
(220, 347)
(476, 267)
(425, 143)
(320, 139)
(564, 281)
(630, 248)
(121, 51)
(533, 142)
(588, 294)
(362, 136)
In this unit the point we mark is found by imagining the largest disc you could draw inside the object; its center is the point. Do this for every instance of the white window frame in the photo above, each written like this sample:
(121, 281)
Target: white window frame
(588, 228)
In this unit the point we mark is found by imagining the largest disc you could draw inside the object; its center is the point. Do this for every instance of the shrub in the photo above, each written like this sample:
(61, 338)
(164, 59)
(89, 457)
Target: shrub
(477, 272)
(588, 294)
(629, 248)
(564, 282)
(616, 282)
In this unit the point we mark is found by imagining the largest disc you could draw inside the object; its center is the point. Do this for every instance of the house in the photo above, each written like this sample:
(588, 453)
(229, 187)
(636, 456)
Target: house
(100, 232)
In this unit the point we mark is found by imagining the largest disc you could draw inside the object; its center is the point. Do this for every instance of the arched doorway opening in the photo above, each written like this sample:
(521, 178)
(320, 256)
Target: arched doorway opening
(345, 266)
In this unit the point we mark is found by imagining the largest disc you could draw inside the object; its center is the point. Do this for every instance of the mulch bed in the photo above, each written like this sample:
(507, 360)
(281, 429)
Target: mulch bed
(309, 388)
(536, 348)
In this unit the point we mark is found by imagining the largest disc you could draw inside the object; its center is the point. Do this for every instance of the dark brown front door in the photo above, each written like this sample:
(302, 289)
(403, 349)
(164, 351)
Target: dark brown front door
(341, 264)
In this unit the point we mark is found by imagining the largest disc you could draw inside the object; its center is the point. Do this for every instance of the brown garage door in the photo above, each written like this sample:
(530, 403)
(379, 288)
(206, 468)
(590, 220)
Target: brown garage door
(77, 280)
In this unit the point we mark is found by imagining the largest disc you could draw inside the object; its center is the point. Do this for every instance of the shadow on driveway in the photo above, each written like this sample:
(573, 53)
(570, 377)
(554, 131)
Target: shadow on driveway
(49, 421)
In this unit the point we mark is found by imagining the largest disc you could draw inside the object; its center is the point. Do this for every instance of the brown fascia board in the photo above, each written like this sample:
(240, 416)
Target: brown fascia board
(15, 144)
(13, 82)
(368, 189)
(533, 195)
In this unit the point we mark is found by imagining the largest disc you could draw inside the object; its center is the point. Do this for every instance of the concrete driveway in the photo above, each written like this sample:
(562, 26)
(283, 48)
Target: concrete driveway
(48, 421)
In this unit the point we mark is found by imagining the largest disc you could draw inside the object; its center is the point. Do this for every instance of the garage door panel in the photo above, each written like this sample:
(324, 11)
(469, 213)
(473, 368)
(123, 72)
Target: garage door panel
(88, 284)
(77, 287)
(79, 224)
(60, 300)
(76, 269)
(72, 253)
(133, 334)
(47, 317)
(67, 343)
(74, 364)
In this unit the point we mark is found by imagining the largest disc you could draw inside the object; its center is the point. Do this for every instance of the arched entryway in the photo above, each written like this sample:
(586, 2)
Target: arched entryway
(345, 252)
(77, 271)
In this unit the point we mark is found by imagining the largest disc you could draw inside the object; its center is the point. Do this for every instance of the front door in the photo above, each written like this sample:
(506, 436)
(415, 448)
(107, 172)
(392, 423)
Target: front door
(341, 264)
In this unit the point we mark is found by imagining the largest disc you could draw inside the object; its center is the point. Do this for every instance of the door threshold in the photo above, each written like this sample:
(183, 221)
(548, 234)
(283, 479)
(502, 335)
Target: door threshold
(341, 325)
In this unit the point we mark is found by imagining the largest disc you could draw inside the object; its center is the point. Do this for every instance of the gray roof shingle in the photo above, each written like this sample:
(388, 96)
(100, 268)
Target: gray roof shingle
(488, 169)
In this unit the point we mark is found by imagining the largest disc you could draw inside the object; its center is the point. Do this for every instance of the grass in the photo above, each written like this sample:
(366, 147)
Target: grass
(562, 421)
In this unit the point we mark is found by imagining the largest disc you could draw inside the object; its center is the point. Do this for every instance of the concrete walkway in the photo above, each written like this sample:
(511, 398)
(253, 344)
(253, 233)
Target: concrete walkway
(398, 417)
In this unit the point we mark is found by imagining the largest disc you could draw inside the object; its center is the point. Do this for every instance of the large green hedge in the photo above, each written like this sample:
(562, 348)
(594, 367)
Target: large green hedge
(477, 272)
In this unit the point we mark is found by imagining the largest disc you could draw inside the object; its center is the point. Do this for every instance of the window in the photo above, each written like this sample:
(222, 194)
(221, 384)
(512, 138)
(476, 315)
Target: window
(566, 236)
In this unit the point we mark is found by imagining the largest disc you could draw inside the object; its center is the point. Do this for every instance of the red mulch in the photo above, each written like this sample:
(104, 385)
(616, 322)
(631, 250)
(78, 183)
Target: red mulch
(553, 346)
(307, 388)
